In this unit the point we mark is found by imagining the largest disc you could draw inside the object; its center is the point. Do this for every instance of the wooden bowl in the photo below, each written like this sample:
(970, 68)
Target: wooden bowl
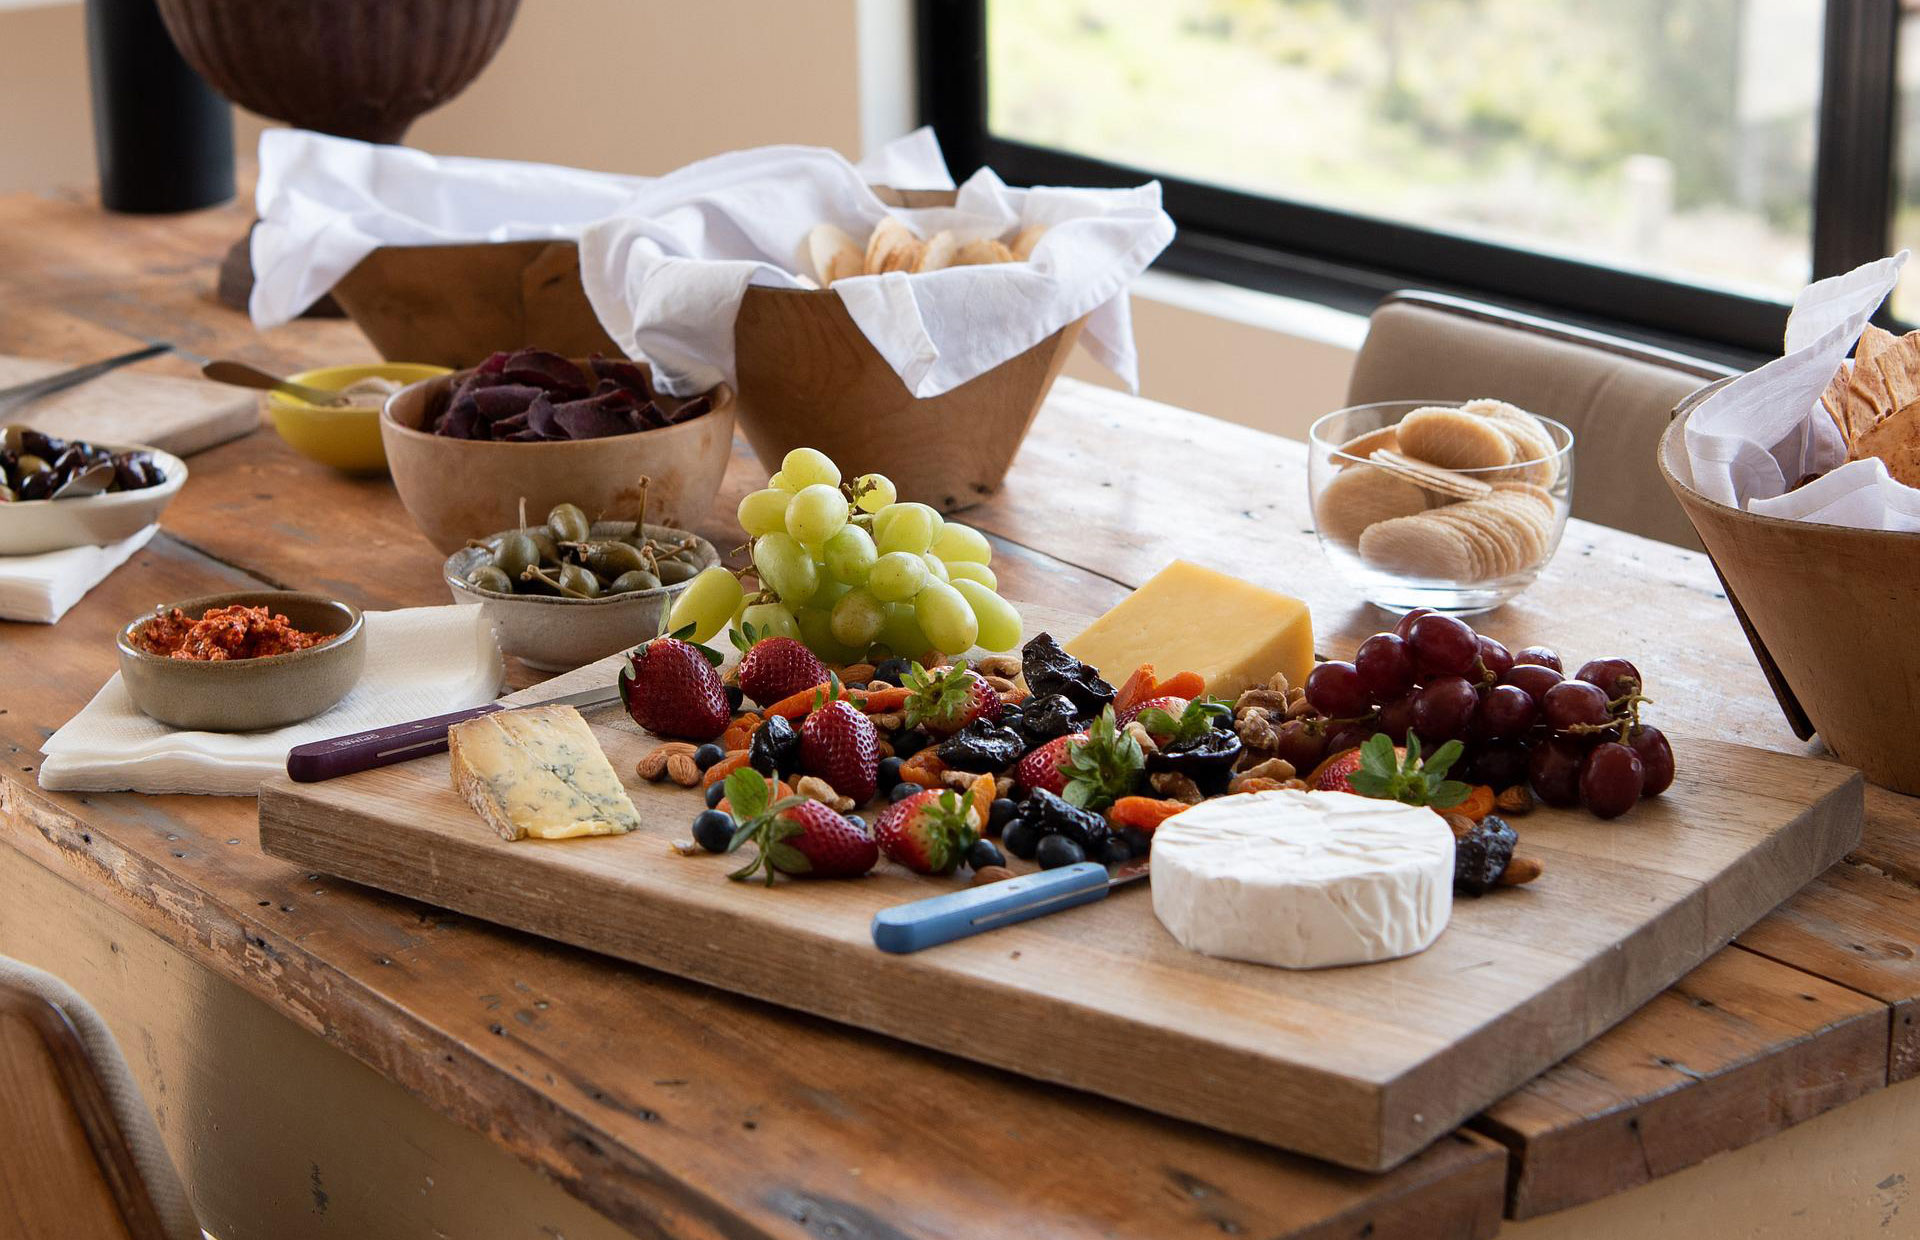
(358, 68)
(461, 489)
(808, 377)
(247, 695)
(1829, 611)
(452, 305)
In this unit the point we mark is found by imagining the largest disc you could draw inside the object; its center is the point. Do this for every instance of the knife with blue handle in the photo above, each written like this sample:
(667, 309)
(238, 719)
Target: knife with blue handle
(942, 919)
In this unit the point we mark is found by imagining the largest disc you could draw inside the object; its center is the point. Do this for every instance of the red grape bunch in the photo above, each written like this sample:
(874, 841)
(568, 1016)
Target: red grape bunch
(1576, 741)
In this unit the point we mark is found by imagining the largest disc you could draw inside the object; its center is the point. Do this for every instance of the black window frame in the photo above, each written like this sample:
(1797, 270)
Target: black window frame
(1351, 261)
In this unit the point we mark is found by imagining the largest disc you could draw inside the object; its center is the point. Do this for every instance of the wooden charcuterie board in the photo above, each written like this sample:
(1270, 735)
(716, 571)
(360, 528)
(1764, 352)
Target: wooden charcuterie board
(1362, 1066)
(181, 416)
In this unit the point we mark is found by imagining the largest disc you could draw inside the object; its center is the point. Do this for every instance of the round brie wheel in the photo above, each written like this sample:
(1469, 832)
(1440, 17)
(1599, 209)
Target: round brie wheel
(1304, 880)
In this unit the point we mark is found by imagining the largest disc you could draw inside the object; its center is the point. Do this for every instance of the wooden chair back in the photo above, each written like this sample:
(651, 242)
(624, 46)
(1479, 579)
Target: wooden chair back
(1617, 395)
(69, 1166)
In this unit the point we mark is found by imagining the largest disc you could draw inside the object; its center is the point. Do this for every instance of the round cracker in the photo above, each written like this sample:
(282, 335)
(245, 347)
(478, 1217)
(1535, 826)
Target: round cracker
(1417, 546)
(1443, 482)
(1454, 439)
(1387, 437)
(1359, 496)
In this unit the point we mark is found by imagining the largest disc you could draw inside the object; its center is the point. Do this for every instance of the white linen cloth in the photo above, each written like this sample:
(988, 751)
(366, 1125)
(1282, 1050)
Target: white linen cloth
(1754, 438)
(422, 661)
(666, 275)
(666, 260)
(40, 588)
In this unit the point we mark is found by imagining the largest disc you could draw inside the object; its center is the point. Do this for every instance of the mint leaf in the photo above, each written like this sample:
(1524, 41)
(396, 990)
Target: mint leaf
(747, 793)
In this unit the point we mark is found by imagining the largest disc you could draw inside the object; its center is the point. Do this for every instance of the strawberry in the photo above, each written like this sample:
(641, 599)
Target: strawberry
(1172, 705)
(1104, 765)
(671, 688)
(947, 699)
(775, 667)
(840, 745)
(929, 832)
(795, 836)
(1041, 767)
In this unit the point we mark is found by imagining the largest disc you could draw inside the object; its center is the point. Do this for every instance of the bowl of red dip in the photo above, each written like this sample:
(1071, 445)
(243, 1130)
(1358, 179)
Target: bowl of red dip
(242, 662)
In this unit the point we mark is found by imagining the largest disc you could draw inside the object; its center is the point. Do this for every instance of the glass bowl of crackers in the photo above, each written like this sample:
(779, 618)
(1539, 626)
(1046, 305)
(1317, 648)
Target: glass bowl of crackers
(1456, 507)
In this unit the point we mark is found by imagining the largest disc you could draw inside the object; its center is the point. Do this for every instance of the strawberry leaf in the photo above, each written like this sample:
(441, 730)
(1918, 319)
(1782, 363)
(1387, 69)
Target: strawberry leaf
(1448, 793)
(1104, 767)
(1409, 780)
(788, 859)
(747, 793)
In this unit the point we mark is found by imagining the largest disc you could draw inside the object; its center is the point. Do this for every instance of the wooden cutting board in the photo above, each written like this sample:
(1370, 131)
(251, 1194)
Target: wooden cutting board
(1363, 1066)
(181, 416)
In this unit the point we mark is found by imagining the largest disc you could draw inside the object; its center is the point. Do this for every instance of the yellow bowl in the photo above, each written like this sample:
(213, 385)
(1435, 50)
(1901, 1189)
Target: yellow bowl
(347, 439)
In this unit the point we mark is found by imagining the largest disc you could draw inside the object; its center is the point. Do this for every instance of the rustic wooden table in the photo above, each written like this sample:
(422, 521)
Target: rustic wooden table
(306, 1042)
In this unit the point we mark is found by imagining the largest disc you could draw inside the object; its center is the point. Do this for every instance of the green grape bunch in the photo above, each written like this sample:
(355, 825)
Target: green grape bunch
(853, 571)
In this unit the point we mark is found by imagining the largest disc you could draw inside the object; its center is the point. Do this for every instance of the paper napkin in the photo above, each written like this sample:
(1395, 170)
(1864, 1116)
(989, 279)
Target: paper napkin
(1749, 442)
(420, 662)
(40, 588)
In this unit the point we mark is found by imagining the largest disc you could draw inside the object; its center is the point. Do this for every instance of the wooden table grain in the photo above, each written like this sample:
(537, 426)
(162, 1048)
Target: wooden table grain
(673, 1109)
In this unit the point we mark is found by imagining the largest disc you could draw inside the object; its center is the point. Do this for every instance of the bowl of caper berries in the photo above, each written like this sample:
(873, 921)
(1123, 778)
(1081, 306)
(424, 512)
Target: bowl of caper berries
(567, 591)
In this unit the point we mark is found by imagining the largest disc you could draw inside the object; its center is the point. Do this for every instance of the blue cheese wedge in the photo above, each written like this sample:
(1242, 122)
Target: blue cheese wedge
(538, 772)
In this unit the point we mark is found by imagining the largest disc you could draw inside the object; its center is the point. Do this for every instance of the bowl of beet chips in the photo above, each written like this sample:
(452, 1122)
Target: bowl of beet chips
(466, 448)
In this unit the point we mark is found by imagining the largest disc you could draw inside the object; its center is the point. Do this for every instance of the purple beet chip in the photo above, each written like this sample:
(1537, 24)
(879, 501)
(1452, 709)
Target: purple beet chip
(547, 370)
(609, 413)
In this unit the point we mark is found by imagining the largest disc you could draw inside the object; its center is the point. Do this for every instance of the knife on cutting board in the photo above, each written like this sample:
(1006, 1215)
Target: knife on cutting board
(942, 919)
(402, 742)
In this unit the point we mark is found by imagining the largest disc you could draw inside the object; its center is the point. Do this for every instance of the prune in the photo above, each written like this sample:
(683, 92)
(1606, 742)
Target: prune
(1050, 669)
(1047, 814)
(1480, 856)
(1207, 760)
(1044, 718)
(776, 748)
(982, 745)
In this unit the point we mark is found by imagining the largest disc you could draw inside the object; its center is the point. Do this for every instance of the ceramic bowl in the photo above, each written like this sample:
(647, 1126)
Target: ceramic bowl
(348, 438)
(461, 489)
(28, 527)
(558, 634)
(248, 695)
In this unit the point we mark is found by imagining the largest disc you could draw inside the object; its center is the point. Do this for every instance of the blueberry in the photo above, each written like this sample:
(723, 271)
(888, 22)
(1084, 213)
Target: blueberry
(901, 791)
(708, 754)
(1057, 850)
(1114, 851)
(857, 821)
(734, 698)
(1020, 838)
(715, 792)
(983, 854)
(891, 671)
(854, 684)
(1139, 843)
(713, 829)
(999, 814)
(889, 773)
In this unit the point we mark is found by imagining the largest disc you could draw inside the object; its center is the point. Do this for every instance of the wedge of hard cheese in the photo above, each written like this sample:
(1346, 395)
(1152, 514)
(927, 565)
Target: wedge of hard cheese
(538, 772)
(1192, 619)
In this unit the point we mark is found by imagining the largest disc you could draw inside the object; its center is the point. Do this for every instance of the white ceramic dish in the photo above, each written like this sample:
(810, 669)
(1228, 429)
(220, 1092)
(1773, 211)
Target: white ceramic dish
(29, 527)
(556, 634)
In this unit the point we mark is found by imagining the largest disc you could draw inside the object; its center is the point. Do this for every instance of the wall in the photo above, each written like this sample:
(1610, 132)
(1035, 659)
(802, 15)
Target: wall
(647, 85)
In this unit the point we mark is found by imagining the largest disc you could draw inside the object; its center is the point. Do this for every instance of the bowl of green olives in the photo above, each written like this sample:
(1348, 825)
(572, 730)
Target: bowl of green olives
(58, 493)
(567, 591)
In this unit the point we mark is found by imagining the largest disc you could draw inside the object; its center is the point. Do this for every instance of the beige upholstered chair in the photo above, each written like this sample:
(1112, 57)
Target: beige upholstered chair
(1616, 394)
(79, 1153)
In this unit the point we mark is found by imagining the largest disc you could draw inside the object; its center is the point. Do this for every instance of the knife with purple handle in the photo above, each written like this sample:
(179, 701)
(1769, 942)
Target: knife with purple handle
(402, 742)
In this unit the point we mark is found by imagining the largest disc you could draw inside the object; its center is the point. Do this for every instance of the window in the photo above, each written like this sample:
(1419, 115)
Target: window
(1671, 165)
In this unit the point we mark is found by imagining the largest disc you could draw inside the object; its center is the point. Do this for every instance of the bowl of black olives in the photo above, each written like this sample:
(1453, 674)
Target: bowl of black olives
(57, 493)
(567, 591)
